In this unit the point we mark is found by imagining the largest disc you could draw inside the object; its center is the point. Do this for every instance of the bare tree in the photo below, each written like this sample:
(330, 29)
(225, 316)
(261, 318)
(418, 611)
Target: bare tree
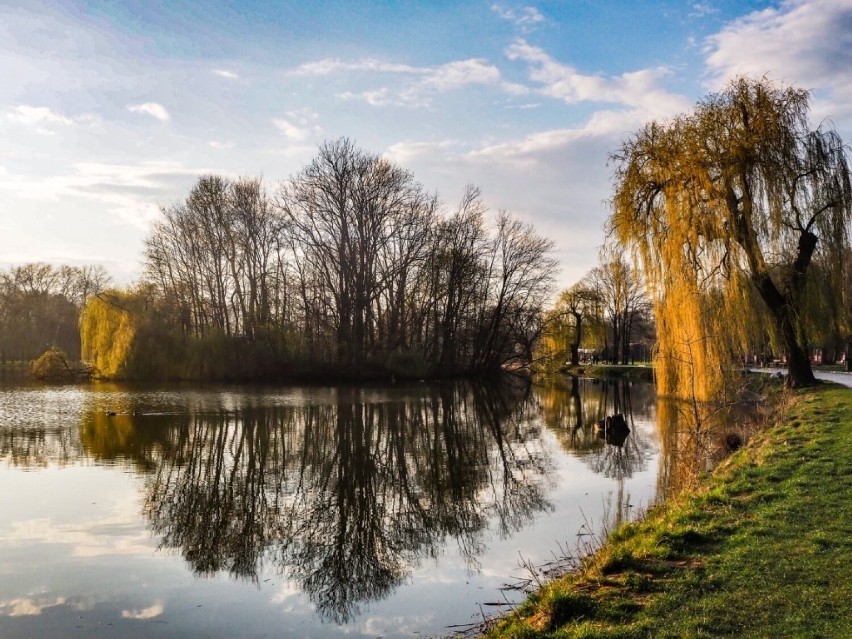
(618, 288)
(217, 258)
(40, 306)
(357, 225)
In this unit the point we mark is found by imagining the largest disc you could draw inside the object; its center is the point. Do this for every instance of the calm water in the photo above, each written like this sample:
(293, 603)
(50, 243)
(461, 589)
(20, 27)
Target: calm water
(185, 511)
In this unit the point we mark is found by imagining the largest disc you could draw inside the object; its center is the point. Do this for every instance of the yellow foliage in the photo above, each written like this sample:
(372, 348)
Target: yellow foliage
(555, 341)
(108, 327)
(710, 203)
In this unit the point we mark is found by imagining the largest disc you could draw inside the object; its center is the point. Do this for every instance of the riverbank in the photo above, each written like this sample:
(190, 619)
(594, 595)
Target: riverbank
(611, 371)
(762, 549)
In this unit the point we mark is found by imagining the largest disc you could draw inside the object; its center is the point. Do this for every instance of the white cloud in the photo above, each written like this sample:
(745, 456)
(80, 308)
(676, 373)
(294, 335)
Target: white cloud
(525, 19)
(39, 119)
(224, 73)
(216, 144)
(527, 151)
(428, 82)
(797, 40)
(636, 89)
(806, 43)
(461, 73)
(144, 613)
(153, 109)
(374, 97)
(405, 152)
(702, 10)
(299, 125)
(603, 131)
(291, 130)
(31, 115)
(131, 192)
(328, 66)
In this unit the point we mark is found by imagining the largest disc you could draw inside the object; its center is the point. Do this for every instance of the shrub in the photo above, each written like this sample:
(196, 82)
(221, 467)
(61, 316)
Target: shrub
(52, 364)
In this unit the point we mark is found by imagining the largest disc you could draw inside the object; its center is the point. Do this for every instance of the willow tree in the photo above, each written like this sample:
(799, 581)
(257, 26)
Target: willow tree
(575, 307)
(108, 328)
(726, 208)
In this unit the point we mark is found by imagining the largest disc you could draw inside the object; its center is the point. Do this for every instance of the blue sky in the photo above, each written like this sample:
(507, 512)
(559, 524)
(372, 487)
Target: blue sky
(109, 110)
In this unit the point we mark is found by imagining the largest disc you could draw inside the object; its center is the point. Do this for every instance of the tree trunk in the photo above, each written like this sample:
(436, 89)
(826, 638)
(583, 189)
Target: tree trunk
(575, 355)
(799, 372)
(849, 356)
(578, 337)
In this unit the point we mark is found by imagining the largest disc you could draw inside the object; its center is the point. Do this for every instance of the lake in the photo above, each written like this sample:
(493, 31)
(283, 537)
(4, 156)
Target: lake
(302, 511)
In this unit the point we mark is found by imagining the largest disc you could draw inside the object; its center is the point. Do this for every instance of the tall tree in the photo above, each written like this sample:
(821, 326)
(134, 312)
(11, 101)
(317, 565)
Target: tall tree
(576, 305)
(355, 223)
(216, 258)
(737, 196)
(458, 280)
(618, 290)
(522, 271)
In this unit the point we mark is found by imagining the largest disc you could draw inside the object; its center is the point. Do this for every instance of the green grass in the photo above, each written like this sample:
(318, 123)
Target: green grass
(603, 371)
(762, 549)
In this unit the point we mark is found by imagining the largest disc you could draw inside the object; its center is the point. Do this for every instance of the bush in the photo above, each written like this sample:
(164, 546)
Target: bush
(52, 365)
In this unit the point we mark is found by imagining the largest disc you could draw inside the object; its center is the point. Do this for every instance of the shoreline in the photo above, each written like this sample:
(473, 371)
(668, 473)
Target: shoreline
(761, 547)
(644, 372)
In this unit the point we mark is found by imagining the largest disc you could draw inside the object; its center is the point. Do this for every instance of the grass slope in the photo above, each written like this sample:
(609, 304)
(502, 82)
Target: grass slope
(763, 549)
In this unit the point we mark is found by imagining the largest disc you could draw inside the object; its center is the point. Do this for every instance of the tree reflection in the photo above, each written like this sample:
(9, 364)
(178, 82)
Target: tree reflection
(33, 425)
(36, 447)
(573, 407)
(693, 439)
(344, 496)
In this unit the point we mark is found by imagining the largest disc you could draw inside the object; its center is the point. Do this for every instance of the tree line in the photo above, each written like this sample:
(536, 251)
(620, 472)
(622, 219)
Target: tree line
(349, 267)
(40, 306)
(734, 217)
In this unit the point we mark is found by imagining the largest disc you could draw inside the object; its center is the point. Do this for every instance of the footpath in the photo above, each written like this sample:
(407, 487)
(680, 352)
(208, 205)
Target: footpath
(762, 549)
(838, 377)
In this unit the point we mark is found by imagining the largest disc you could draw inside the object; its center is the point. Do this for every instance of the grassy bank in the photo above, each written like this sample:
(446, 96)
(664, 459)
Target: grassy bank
(611, 371)
(762, 549)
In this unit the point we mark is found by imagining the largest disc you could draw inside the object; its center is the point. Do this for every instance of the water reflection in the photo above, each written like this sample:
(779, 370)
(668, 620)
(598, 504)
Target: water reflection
(343, 496)
(695, 437)
(33, 427)
(574, 407)
(344, 492)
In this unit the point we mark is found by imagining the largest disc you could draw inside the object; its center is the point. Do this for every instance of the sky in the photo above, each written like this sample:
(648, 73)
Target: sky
(111, 110)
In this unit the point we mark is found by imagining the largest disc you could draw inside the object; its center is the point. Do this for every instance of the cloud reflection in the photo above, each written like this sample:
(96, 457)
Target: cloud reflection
(108, 537)
(144, 613)
(28, 607)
